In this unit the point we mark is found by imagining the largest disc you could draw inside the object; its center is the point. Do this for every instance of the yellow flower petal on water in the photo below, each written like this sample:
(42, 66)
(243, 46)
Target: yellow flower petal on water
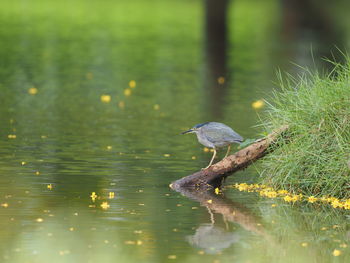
(105, 205)
(4, 205)
(121, 104)
(127, 92)
(336, 203)
(312, 199)
(242, 187)
(33, 91)
(296, 198)
(156, 107)
(287, 198)
(271, 194)
(193, 157)
(217, 190)
(172, 257)
(23, 163)
(39, 220)
(273, 205)
(12, 136)
(89, 75)
(206, 149)
(105, 98)
(64, 252)
(347, 204)
(132, 84)
(49, 186)
(323, 199)
(166, 155)
(304, 244)
(343, 245)
(111, 195)
(336, 252)
(221, 80)
(210, 201)
(109, 147)
(258, 104)
(93, 196)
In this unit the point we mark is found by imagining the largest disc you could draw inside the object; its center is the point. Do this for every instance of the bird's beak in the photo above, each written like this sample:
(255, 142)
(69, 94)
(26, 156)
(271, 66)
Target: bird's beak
(189, 131)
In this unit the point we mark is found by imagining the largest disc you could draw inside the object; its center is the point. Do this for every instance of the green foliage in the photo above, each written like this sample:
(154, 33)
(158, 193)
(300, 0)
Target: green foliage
(314, 159)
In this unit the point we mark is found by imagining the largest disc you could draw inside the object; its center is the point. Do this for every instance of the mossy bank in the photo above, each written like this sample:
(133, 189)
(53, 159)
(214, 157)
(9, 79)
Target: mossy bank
(314, 159)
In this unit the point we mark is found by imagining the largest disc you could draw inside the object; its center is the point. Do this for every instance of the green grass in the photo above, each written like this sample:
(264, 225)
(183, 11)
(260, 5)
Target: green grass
(314, 160)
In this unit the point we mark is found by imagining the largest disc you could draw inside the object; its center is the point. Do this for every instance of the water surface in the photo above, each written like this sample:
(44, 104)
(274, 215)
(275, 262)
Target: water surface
(59, 142)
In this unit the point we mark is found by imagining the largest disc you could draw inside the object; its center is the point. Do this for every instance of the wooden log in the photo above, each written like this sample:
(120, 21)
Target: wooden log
(215, 174)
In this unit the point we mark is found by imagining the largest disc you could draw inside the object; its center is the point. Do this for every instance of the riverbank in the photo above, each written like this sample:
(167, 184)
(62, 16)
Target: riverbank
(315, 159)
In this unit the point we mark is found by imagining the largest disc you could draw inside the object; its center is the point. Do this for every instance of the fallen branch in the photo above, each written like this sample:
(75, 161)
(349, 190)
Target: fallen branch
(214, 175)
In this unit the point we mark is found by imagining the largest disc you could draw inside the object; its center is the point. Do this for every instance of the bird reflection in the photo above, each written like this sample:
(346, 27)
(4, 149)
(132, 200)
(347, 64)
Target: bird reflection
(212, 239)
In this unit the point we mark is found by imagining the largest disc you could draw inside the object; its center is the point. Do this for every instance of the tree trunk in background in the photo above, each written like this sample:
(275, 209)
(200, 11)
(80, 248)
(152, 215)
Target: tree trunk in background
(216, 47)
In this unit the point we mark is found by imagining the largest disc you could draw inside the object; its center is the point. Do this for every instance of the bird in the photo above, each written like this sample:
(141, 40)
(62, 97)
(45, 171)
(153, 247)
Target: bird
(215, 135)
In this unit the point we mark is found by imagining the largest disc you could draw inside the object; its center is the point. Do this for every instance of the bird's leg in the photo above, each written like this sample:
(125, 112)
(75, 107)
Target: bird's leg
(228, 150)
(212, 159)
(212, 219)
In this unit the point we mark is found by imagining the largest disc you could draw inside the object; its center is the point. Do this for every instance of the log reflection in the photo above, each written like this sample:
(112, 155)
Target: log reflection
(231, 211)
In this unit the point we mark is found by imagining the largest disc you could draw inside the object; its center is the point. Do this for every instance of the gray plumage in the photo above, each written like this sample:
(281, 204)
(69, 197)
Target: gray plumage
(215, 135)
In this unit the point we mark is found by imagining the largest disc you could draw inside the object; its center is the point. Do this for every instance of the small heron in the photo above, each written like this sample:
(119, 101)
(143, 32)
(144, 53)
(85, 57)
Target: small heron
(215, 135)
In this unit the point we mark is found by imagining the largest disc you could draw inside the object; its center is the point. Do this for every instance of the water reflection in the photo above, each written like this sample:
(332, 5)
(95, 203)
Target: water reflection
(310, 27)
(216, 55)
(282, 229)
(212, 239)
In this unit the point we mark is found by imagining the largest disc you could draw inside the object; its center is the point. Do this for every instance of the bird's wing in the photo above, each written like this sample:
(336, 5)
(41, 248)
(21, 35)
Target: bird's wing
(218, 134)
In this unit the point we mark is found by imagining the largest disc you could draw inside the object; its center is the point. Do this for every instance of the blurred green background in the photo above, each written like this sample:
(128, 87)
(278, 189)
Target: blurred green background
(94, 96)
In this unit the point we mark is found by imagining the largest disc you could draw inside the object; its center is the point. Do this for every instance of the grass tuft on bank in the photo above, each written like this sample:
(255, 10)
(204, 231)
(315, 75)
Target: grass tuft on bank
(315, 159)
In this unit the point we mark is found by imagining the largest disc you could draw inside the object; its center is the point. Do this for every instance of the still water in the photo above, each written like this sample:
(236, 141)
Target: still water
(94, 96)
